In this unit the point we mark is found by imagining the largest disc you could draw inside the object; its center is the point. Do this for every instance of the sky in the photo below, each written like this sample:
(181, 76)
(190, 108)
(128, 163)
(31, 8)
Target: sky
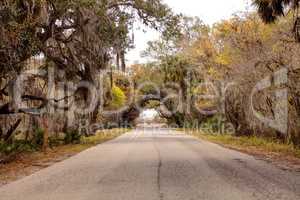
(210, 11)
(149, 114)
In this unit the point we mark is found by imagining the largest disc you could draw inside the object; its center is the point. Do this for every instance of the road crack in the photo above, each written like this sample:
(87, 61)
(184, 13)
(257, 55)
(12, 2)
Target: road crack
(158, 178)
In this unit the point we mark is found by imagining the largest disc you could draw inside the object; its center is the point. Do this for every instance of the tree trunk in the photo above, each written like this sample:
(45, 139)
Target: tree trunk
(123, 63)
(45, 136)
(118, 60)
(45, 140)
(111, 78)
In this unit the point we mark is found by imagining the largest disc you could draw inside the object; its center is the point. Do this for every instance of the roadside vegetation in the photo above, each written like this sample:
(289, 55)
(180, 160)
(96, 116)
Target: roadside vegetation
(252, 144)
(32, 160)
(230, 75)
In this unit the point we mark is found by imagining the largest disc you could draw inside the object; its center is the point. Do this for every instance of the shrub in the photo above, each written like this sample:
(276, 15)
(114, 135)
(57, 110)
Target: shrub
(38, 137)
(72, 137)
(16, 147)
(118, 97)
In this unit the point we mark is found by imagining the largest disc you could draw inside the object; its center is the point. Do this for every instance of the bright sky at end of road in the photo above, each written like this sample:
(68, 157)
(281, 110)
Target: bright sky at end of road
(149, 114)
(208, 11)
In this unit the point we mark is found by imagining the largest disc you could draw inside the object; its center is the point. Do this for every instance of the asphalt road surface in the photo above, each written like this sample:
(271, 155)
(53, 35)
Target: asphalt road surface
(157, 165)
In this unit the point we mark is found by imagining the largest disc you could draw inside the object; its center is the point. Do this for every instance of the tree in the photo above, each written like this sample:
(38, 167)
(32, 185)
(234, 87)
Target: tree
(270, 10)
(76, 38)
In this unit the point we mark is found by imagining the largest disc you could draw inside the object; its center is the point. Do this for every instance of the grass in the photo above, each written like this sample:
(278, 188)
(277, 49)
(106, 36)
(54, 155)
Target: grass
(88, 142)
(252, 145)
(30, 162)
(102, 136)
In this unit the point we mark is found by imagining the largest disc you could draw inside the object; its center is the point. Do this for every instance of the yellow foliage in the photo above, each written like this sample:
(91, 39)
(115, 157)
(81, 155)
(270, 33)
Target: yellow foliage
(118, 98)
(212, 71)
(224, 58)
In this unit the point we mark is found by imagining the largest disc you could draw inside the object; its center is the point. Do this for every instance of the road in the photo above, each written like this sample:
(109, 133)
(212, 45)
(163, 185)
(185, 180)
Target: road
(157, 165)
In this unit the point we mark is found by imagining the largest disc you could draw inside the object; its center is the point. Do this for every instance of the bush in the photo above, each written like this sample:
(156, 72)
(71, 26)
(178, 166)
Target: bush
(214, 123)
(16, 147)
(118, 97)
(72, 137)
(38, 137)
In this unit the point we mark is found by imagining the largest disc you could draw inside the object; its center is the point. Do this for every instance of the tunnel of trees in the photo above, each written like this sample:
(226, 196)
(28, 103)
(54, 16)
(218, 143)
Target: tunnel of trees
(70, 42)
(201, 73)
